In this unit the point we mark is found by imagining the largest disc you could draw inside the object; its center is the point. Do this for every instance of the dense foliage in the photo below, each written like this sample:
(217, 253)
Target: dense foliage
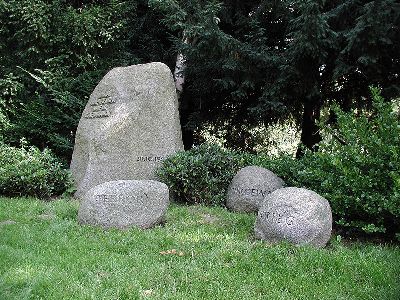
(357, 169)
(27, 171)
(248, 63)
(201, 175)
(254, 62)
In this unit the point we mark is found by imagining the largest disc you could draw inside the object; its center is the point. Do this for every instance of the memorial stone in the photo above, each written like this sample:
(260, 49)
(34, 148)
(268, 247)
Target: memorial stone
(125, 203)
(296, 215)
(129, 125)
(249, 188)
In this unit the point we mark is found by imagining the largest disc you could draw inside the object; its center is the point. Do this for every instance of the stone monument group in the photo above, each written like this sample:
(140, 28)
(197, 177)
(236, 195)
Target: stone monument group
(129, 125)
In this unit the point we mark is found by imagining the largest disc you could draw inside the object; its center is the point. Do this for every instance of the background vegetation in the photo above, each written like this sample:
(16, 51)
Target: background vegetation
(53, 53)
(247, 63)
(356, 168)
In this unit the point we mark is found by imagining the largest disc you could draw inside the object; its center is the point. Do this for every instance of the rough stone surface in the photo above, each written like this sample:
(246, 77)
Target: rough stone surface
(295, 215)
(7, 222)
(129, 125)
(125, 203)
(249, 188)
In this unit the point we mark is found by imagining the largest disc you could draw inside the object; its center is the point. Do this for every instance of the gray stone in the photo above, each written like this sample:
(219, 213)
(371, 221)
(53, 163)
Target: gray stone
(7, 222)
(296, 215)
(129, 125)
(249, 188)
(125, 203)
(47, 216)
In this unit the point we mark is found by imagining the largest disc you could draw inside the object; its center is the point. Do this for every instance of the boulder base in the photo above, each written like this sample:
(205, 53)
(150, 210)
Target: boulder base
(250, 186)
(125, 203)
(296, 215)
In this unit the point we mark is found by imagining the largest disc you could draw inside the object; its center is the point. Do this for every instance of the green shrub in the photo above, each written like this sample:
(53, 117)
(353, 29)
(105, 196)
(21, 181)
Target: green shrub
(202, 175)
(27, 171)
(358, 169)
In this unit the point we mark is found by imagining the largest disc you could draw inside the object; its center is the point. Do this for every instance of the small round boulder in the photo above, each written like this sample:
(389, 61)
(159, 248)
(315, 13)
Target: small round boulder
(296, 215)
(125, 203)
(250, 186)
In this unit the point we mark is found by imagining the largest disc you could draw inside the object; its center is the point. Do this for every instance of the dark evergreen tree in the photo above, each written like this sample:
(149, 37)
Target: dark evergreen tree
(266, 60)
(244, 63)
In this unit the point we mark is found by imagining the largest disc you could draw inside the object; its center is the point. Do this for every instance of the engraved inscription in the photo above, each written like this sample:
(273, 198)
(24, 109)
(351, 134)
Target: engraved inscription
(149, 158)
(118, 198)
(102, 100)
(283, 215)
(104, 197)
(250, 192)
(100, 108)
(100, 111)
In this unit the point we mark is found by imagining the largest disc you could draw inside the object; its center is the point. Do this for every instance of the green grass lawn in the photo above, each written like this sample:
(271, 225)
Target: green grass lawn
(46, 254)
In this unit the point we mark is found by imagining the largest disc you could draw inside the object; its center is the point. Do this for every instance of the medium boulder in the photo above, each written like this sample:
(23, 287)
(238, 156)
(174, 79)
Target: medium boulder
(125, 203)
(296, 215)
(129, 125)
(249, 188)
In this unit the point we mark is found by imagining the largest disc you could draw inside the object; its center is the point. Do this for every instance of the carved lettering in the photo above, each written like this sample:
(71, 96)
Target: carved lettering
(111, 199)
(284, 215)
(97, 114)
(102, 197)
(100, 108)
(250, 192)
(149, 158)
(102, 100)
(264, 193)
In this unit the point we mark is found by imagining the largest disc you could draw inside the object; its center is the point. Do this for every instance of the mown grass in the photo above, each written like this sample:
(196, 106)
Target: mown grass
(46, 254)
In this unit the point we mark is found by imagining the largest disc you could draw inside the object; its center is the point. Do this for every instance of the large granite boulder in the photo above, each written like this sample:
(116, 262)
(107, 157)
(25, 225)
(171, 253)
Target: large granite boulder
(125, 203)
(129, 125)
(295, 215)
(249, 188)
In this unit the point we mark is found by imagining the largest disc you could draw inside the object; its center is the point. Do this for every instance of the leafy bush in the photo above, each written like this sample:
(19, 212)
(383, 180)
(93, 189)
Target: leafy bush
(358, 169)
(27, 171)
(202, 175)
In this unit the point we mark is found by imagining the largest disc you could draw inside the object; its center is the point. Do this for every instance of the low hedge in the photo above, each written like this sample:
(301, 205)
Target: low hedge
(202, 174)
(27, 171)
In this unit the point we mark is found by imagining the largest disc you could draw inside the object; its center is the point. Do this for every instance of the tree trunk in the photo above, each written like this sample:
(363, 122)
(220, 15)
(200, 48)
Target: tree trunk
(185, 111)
(179, 73)
(310, 136)
(185, 107)
(180, 66)
(188, 139)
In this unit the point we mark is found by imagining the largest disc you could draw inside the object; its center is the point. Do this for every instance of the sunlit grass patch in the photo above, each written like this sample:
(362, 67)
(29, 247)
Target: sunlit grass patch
(200, 253)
